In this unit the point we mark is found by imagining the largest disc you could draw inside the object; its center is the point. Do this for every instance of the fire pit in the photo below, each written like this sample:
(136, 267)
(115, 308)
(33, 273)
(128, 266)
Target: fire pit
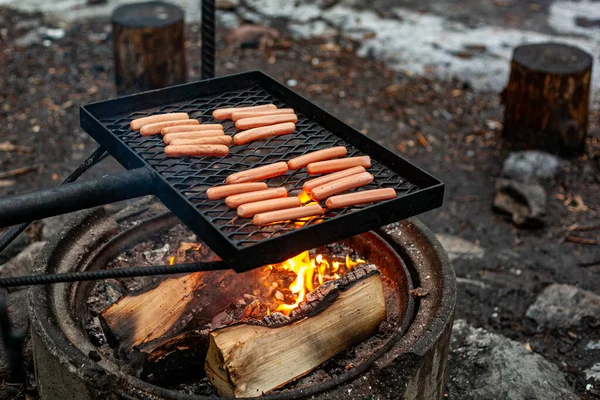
(407, 355)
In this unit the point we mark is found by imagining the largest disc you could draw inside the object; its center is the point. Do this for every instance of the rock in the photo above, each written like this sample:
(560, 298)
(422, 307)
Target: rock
(28, 39)
(531, 166)
(505, 369)
(227, 4)
(458, 248)
(51, 226)
(593, 373)
(21, 264)
(593, 345)
(251, 35)
(562, 306)
(525, 202)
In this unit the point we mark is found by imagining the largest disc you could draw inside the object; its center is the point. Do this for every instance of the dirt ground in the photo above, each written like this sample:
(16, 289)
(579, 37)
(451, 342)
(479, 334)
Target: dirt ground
(444, 127)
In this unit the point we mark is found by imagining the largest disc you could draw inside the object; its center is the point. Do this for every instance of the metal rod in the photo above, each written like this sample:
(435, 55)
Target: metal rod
(208, 39)
(98, 155)
(112, 274)
(74, 196)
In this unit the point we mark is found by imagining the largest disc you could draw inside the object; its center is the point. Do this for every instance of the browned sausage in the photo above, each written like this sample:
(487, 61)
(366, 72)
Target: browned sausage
(222, 139)
(250, 114)
(252, 197)
(169, 137)
(220, 192)
(250, 209)
(341, 185)
(319, 155)
(358, 198)
(153, 129)
(288, 214)
(225, 113)
(324, 167)
(263, 132)
(313, 183)
(197, 150)
(257, 122)
(259, 173)
(137, 123)
(191, 128)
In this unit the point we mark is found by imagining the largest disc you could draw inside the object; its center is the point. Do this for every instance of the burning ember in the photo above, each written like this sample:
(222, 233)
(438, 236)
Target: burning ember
(306, 272)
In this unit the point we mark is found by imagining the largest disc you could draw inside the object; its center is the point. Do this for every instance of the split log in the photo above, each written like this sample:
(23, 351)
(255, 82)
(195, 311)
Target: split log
(547, 98)
(149, 46)
(162, 330)
(248, 360)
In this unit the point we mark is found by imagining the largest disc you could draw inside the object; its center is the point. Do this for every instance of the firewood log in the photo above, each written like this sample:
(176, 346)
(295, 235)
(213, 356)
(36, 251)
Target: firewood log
(248, 360)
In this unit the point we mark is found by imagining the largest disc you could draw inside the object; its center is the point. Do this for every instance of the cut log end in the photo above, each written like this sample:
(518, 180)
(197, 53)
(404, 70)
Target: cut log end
(249, 360)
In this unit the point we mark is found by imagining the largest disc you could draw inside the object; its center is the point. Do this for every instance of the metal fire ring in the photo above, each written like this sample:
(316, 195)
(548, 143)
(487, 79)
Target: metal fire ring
(413, 367)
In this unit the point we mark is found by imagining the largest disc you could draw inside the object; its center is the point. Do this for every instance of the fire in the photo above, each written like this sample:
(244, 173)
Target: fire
(310, 272)
(171, 261)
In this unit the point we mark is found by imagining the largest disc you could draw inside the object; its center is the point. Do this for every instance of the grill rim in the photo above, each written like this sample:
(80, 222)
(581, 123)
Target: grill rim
(429, 194)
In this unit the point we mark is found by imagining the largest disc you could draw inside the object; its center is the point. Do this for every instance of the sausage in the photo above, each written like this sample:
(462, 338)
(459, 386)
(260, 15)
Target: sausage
(250, 209)
(250, 114)
(225, 113)
(169, 137)
(341, 185)
(137, 123)
(319, 155)
(259, 173)
(358, 198)
(247, 123)
(197, 150)
(153, 129)
(323, 167)
(219, 192)
(222, 139)
(252, 197)
(287, 214)
(263, 132)
(192, 128)
(313, 183)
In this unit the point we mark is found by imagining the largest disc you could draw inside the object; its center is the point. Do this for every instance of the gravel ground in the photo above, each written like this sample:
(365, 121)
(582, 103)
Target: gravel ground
(442, 126)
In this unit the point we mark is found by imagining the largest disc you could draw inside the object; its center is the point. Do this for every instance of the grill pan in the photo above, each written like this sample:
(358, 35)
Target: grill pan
(181, 183)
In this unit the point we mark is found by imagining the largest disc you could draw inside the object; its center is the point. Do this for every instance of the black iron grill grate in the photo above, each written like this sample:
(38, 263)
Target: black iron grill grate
(192, 176)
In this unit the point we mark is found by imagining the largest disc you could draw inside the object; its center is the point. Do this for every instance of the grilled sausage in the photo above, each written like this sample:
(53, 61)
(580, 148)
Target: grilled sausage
(313, 183)
(341, 185)
(137, 123)
(251, 114)
(220, 192)
(247, 123)
(225, 113)
(319, 155)
(197, 150)
(323, 167)
(221, 139)
(192, 128)
(153, 129)
(358, 198)
(259, 173)
(169, 137)
(288, 214)
(252, 197)
(250, 209)
(263, 132)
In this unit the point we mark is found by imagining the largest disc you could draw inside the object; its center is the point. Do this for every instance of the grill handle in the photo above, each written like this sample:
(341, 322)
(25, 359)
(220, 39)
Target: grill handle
(75, 196)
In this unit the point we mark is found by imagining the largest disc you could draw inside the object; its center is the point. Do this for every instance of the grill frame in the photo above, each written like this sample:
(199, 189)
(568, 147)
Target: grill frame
(96, 119)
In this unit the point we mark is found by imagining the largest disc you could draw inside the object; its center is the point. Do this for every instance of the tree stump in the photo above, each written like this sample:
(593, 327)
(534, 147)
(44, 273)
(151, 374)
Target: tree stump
(149, 46)
(547, 98)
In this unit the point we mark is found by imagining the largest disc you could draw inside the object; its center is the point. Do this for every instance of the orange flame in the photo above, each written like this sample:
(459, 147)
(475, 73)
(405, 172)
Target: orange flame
(310, 273)
(171, 261)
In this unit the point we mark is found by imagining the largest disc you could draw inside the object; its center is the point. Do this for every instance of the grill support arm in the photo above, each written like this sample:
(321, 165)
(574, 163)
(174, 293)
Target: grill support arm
(76, 196)
(208, 39)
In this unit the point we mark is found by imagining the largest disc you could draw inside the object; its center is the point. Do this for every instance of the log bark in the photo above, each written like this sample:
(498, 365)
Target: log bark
(149, 46)
(248, 360)
(547, 98)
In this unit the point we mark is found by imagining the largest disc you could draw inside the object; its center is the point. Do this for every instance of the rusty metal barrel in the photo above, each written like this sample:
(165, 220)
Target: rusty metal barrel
(413, 365)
